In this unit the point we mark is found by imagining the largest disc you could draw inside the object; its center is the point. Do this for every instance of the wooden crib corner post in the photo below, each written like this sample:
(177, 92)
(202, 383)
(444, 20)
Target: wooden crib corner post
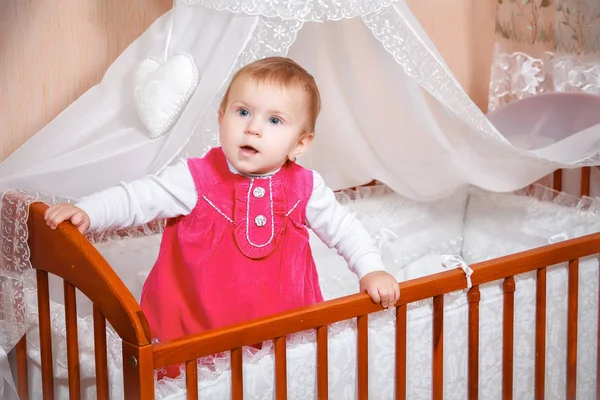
(138, 372)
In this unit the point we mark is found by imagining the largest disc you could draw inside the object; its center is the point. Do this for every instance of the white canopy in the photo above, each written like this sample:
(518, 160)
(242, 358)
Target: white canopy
(392, 111)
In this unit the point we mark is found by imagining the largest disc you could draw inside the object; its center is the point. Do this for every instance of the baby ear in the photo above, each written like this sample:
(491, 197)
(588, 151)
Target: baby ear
(302, 146)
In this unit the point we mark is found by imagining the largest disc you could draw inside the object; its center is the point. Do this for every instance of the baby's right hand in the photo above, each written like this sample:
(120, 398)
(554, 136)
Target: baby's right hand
(59, 213)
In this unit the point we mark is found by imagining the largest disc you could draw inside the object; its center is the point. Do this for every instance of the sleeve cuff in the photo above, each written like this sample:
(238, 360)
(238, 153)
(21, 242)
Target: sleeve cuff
(91, 210)
(368, 263)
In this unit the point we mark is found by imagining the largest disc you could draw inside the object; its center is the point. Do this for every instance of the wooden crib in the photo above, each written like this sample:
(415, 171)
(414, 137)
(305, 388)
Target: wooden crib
(585, 182)
(67, 254)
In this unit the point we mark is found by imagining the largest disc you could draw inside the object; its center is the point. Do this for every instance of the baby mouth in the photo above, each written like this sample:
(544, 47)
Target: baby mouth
(248, 150)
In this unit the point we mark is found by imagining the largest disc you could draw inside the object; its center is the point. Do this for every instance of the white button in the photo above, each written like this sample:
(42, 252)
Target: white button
(258, 192)
(260, 220)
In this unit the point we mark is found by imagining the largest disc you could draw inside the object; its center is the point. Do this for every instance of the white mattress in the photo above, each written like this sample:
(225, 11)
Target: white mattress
(412, 237)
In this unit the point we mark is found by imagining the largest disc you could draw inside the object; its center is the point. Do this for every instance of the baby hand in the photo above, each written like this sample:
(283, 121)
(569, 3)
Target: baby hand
(59, 213)
(382, 287)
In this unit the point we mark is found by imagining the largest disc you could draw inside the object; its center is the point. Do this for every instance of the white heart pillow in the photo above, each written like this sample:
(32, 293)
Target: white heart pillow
(162, 90)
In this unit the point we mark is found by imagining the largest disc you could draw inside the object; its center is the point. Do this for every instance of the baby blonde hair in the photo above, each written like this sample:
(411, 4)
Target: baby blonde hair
(285, 72)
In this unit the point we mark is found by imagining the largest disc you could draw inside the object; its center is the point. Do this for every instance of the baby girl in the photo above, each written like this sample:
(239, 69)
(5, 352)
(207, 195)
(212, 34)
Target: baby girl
(236, 244)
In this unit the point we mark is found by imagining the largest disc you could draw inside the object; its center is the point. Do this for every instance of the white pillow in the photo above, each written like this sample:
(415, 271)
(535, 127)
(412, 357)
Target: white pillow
(162, 90)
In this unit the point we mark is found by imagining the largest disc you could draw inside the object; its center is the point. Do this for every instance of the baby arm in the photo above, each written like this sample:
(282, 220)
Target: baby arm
(337, 227)
(168, 194)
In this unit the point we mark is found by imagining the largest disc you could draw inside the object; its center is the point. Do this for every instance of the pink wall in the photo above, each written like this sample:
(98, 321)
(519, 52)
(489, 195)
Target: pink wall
(51, 51)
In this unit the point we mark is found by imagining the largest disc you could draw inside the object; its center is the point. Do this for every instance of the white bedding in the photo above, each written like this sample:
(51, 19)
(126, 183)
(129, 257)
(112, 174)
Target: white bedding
(477, 225)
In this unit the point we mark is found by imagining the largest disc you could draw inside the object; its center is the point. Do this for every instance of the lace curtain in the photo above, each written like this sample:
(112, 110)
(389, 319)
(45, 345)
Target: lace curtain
(545, 46)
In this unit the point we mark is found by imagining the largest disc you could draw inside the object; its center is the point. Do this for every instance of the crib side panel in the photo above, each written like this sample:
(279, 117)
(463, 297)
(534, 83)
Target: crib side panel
(503, 269)
(66, 253)
(352, 306)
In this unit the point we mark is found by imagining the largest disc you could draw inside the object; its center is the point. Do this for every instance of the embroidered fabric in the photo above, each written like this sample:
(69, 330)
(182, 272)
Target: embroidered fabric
(534, 217)
(301, 10)
(518, 75)
(391, 26)
(394, 27)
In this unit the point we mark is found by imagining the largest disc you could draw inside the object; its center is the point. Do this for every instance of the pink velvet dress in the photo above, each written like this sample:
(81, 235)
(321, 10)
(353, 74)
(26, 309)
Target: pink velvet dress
(242, 253)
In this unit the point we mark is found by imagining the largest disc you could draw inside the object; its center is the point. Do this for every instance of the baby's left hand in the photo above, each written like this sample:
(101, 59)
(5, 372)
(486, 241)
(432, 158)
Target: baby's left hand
(382, 287)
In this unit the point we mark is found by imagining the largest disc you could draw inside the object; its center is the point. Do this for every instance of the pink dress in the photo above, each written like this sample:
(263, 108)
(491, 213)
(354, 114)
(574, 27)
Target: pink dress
(242, 253)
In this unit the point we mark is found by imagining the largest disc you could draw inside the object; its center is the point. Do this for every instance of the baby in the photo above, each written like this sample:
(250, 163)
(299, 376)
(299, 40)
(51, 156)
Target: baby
(236, 244)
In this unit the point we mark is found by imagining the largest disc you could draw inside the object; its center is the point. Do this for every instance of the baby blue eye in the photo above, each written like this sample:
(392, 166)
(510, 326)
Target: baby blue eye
(243, 112)
(275, 120)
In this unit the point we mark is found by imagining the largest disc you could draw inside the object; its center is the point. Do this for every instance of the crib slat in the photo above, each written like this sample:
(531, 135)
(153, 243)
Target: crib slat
(474, 297)
(191, 379)
(540, 334)
(100, 355)
(237, 382)
(322, 363)
(572, 329)
(45, 335)
(72, 341)
(22, 373)
(557, 180)
(438, 348)
(280, 369)
(586, 178)
(508, 337)
(362, 326)
(401, 352)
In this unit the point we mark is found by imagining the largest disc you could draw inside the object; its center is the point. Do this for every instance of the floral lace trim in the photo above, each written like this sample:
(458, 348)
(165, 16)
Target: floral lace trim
(391, 27)
(518, 75)
(16, 281)
(398, 37)
(540, 199)
(302, 10)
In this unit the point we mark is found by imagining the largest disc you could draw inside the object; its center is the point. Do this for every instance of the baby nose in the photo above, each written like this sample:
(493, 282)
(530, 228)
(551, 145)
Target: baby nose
(252, 129)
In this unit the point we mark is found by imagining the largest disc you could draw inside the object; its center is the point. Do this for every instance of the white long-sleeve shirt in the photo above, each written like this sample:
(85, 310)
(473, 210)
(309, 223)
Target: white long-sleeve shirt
(173, 193)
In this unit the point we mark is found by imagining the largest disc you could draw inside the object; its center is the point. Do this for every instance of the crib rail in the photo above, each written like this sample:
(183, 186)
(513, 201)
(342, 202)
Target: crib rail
(433, 286)
(81, 267)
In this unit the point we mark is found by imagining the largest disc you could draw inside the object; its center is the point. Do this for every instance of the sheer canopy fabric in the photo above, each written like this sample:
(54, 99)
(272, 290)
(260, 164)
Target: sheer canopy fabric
(391, 107)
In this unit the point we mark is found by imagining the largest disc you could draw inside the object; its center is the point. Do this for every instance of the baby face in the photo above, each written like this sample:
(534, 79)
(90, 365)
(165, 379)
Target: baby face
(262, 125)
